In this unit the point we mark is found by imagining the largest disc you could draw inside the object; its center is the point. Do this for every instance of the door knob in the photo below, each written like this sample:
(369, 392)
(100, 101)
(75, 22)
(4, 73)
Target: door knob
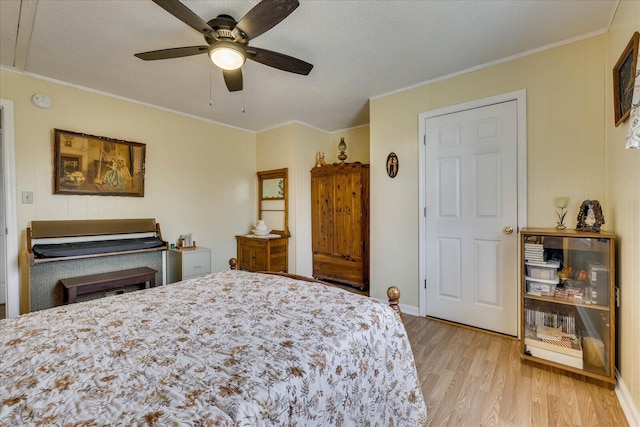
(507, 230)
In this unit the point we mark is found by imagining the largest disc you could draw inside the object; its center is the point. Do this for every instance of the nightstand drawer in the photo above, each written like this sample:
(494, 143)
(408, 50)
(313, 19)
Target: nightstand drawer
(196, 264)
(185, 264)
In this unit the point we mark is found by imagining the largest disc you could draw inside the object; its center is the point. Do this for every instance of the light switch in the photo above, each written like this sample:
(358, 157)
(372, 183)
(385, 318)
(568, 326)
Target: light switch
(27, 197)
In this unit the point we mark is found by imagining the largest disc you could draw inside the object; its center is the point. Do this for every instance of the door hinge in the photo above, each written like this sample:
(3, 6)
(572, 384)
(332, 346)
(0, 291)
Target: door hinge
(425, 283)
(424, 139)
(425, 211)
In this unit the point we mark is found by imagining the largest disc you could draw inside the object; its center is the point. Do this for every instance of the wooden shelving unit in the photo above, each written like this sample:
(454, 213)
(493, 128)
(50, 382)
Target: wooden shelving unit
(570, 324)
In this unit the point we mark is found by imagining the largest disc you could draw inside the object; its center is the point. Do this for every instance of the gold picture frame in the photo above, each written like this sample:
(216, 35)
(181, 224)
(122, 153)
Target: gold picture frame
(623, 80)
(97, 165)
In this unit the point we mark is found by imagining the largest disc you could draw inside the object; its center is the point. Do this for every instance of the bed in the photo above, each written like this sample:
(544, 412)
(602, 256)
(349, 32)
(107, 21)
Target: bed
(231, 349)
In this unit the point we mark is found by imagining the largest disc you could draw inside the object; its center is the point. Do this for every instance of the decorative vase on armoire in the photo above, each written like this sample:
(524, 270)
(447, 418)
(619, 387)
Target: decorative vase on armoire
(340, 223)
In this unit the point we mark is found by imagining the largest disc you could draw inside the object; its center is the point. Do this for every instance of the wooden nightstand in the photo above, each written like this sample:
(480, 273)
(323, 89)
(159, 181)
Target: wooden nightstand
(262, 254)
(183, 264)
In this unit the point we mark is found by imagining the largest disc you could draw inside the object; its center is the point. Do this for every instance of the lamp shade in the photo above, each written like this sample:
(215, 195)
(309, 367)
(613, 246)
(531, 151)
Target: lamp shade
(633, 134)
(226, 55)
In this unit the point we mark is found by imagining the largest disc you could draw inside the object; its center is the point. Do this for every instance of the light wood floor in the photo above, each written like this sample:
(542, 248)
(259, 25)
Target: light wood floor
(471, 378)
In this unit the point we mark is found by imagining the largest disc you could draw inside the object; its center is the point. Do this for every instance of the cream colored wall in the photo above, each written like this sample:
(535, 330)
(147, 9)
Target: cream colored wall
(565, 148)
(275, 150)
(308, 142)
(357, 140)
(623, 199)
(200, 176)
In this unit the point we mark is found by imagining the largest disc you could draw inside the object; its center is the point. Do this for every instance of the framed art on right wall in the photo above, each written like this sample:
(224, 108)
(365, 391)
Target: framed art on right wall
(623, 80)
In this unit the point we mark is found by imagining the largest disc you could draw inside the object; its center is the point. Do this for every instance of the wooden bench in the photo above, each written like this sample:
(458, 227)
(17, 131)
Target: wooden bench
(81, 285)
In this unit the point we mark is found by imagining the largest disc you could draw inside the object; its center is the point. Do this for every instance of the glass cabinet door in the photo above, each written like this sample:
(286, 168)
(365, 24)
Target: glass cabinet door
(568, 318)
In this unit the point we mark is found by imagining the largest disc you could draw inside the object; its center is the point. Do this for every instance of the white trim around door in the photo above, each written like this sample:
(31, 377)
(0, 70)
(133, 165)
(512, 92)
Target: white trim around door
(9, 205)
(521, 101)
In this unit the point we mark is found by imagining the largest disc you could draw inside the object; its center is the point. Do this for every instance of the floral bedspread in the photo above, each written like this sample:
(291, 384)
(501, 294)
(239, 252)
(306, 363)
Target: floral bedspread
(228, 349)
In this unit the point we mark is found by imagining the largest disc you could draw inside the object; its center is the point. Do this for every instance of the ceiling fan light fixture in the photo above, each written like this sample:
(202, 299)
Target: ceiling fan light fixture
(227, 55)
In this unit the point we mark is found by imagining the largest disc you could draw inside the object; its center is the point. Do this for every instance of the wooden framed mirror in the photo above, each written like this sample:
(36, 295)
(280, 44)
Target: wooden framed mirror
(273, 200)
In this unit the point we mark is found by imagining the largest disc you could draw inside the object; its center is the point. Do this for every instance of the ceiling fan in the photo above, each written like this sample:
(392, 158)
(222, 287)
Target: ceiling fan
(228, 40)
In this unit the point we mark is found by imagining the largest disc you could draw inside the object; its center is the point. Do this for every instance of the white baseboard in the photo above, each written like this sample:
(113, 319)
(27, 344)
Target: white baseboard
(408, 309)
(626, 402)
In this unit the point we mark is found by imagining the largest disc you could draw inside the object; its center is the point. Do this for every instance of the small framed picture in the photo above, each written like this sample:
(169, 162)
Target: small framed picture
(392, 165)
(623, 79)
(590, 216)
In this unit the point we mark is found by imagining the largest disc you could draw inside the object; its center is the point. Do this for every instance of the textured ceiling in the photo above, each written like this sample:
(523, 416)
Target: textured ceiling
(359, 49)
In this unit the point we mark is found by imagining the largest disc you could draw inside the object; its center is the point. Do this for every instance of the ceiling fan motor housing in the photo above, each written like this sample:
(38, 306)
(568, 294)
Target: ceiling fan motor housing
(223, 27)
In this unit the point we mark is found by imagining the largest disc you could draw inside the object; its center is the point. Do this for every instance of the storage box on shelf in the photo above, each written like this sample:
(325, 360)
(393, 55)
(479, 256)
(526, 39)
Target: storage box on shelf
(541, 287)
(545, 270)
(568, 311)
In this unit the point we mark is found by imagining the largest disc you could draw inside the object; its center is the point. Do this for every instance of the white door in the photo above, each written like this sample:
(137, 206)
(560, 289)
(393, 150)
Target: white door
(8, 210)
(471, 174)
(3, 274)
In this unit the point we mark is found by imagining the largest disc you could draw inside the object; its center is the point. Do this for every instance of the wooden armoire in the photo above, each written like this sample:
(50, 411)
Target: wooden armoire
(340, 223)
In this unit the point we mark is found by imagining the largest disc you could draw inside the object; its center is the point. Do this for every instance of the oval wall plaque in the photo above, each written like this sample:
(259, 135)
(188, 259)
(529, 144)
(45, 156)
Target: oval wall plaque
(392, 165)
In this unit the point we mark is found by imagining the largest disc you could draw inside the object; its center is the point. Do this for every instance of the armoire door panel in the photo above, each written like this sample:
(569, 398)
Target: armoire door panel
(347, 238)
(322, 213)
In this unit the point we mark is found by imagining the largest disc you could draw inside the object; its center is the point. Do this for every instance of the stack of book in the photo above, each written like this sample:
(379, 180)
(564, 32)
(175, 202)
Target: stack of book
(534, 252)
(552, 344)
(570, 293)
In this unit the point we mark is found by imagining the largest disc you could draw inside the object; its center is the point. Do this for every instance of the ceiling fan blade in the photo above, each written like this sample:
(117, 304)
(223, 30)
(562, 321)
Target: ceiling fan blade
(264, 16)
(279, 60)
(185, 14)
(233, 79)
(177, 52)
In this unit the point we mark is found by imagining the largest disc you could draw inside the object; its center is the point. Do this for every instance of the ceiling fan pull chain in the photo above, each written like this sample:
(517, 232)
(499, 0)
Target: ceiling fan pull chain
(210, 90)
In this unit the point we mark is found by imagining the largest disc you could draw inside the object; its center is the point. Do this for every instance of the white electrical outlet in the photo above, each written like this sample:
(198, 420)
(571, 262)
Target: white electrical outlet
(27, 197)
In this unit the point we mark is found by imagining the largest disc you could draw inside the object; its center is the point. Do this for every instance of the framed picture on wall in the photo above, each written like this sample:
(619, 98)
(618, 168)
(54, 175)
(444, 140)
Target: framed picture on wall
(97, 165)
(392, 165)
(590, 216)
(624, 78)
